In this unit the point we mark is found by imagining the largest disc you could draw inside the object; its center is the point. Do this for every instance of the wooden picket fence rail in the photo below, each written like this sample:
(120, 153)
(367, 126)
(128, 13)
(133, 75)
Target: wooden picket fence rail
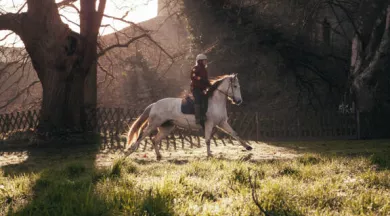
(113, 124)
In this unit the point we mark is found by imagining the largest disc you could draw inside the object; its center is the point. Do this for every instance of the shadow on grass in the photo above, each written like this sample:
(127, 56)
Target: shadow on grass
(381, 160)
(63, 180)
(378, 151)
(46, 156)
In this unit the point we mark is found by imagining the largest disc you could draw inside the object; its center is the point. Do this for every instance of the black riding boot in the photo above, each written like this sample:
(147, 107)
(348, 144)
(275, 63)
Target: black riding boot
(197, 113)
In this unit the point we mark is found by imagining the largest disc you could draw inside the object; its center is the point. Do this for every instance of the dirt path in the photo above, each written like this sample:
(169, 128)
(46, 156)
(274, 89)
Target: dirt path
(30, 157)
(261, 151)
(105, 158)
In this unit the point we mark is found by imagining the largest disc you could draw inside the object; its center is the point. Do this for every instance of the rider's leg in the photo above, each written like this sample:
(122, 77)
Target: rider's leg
(204, 106)
(203, 110)
(197, 95)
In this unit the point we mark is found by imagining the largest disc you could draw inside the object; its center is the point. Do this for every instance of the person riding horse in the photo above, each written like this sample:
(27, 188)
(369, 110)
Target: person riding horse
(199, 84)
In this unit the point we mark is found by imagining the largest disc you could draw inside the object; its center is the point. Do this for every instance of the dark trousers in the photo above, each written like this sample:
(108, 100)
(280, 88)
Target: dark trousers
(198, 95)
(200, 99)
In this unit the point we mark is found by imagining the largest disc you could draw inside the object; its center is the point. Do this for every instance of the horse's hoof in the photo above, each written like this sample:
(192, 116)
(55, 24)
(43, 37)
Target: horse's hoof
(132, 149)
(127, 153)
(209, 155)
(159, 157)
(249, 148)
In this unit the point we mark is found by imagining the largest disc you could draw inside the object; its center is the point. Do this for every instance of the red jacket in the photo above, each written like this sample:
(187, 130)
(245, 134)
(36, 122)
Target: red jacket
(199, 77)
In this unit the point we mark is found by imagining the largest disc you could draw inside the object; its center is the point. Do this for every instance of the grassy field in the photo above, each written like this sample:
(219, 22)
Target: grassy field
(293, 178)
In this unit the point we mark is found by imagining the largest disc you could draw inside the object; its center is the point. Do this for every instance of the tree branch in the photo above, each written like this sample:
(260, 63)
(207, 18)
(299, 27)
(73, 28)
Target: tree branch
(349, 16)
(143, 30)
(65, 3)
(255, 199)
(6, 36)
(74, 7)
(375, 37)
(105, 70)
(100, 11)
(128, 22)
(21, 92)
(159, 46)
(104, 51)
(74, 23)
(99, 15)
(338, 20)
(21, 8)
(11, 21)
(383, 50)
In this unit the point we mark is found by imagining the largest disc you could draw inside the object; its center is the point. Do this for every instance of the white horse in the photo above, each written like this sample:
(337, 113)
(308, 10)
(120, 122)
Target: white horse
(166, 113)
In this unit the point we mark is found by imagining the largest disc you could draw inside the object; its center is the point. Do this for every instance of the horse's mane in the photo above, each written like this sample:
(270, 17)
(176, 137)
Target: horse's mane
(215, 83)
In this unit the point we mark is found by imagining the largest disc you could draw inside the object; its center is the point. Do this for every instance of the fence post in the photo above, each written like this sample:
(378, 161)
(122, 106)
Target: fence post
(358, 136)
(30, 120)
(117, 120)
(257, 126)
(7, 123)
(274, 126)
(91, 119)
(299, 128)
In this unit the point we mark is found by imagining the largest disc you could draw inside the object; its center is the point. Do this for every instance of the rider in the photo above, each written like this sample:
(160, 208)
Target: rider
(199, 83)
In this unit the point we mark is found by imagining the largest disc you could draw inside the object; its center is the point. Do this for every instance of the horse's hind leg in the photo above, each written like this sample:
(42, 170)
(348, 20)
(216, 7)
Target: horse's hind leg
(163, 131)
(146, 132)
(208, 133)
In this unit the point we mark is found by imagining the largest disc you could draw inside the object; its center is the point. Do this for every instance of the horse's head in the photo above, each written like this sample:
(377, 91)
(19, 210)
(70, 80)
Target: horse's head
(233, 89)
(227, 85)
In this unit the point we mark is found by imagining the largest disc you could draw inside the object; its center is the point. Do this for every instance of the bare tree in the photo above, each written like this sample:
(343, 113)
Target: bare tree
(62, 58)
(65, 61)
(370, 51)
(16, 78)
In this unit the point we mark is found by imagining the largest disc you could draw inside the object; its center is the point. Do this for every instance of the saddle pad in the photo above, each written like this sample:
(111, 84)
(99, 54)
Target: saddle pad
(187, 105)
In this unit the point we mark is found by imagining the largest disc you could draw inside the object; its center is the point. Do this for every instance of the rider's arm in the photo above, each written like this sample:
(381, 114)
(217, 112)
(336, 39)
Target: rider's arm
(205, 79)
(206, 82)
(200, 76)
(195, 74)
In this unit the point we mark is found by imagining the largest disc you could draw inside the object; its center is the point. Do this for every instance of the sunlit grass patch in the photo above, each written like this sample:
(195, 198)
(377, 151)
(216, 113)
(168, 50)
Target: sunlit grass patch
(382, 160)
(199, 169)
(122, 166)
(60, 190)
(313, 184)
(376, 179)
(309, 159)
(369, 203)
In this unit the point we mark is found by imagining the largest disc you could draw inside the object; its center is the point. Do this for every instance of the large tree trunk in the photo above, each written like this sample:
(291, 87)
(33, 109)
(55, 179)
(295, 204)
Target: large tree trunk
(62, 104)
(62, 59)
(56, 53)
(370, 50)
(90, 90)
(370, 68)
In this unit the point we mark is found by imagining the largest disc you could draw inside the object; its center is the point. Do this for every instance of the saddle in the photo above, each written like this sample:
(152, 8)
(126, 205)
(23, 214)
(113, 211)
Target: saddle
(187, 105)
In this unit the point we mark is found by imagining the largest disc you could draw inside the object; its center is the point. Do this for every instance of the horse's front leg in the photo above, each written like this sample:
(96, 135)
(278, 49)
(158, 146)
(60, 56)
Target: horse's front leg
(207, 135)
(229, 130)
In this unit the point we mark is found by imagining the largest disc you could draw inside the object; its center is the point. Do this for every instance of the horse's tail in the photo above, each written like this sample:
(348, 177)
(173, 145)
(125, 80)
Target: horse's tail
(137, 126)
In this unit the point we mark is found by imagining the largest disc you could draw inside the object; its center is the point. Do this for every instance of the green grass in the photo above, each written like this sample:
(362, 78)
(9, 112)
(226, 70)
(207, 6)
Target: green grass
(312, 184)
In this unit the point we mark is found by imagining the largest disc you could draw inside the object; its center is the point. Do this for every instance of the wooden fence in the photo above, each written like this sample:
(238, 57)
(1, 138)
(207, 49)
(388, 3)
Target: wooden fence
(113, 123)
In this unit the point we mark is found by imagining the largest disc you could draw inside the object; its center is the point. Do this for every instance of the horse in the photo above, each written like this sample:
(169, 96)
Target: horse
(165, 114)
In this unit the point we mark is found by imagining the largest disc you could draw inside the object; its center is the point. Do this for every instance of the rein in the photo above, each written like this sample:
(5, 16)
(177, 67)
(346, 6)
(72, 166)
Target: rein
(226, 93)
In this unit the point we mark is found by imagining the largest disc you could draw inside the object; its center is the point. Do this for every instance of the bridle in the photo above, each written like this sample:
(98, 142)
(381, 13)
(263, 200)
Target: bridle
(227, 91)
